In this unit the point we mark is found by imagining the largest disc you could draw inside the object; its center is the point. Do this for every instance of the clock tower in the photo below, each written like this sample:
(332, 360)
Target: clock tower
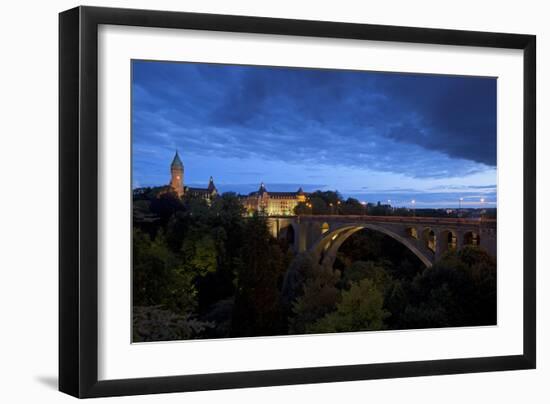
(176, 171)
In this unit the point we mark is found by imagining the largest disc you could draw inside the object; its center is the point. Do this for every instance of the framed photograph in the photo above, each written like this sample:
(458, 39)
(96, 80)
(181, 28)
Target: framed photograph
(251, 201)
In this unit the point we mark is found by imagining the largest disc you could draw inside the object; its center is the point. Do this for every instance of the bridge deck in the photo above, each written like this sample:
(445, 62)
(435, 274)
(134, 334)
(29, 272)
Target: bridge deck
(396, 219)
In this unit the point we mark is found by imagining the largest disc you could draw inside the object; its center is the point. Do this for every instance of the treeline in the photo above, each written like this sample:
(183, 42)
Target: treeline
(332, 203)
(203, 271)
(206, 271)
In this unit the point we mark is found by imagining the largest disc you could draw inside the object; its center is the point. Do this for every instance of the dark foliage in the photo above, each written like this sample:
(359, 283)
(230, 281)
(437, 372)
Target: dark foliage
(205, 270)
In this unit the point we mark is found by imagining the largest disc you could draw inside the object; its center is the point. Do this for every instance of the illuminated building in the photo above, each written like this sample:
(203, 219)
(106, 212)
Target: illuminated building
(177, 183)
(176, 175)
(273, 203)
(208, 193)
(269, 203)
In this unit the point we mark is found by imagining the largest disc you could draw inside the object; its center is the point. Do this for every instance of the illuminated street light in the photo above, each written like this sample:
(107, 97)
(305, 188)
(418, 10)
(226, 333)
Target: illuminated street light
(414, 207)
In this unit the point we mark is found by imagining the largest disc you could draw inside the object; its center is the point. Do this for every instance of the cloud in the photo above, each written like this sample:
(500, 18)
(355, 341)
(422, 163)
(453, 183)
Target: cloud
(420, 126)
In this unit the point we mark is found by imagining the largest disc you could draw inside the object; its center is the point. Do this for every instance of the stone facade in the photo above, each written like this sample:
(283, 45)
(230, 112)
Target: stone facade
(273, 203)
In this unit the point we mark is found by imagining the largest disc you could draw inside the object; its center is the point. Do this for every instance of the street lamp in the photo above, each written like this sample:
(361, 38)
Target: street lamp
(330, 204)
(364, 208)
(414, 207)
(338, 207)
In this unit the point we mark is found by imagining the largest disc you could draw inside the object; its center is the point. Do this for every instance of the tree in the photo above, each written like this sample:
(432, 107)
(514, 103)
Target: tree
(352, 207)
(459, 290)
(165, 205)
(319, 297)
(324, 202)
(319, 206)
(151, 268)
(302, 267)
(257, 309)
(226, 227)
(200, 254)
(360, 270)
(379, 209)
(361, 309)
(158, 277)
(156, 324)
(303, 208)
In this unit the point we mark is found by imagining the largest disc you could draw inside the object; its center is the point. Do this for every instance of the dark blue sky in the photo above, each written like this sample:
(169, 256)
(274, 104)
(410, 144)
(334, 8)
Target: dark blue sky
(373, 136)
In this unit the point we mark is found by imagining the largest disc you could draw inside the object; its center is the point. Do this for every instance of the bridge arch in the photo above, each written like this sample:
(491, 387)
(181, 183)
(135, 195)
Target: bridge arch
(412, 232)
(471, 238)
(447, 240)
(326, 248)
(429, 238)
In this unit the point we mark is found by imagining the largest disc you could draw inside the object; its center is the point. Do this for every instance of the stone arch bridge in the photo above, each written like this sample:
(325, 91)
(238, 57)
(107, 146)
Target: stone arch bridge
(427, 237)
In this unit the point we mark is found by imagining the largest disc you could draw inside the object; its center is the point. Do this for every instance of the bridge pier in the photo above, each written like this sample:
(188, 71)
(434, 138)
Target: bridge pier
(486, 237)
(460, 240)
(301, 238)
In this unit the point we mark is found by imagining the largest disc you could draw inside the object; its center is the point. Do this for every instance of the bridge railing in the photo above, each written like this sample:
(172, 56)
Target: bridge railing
(403, 219)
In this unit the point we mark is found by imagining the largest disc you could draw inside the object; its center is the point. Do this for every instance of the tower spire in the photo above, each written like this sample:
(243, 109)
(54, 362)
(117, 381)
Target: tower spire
(176, 173)
(176, 162)
(211, 187)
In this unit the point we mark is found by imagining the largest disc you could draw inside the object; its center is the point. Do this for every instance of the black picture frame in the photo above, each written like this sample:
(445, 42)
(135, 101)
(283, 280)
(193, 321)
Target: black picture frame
(78, 201)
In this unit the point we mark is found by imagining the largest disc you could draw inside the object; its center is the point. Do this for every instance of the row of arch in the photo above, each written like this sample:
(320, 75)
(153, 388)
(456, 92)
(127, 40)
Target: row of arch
(447, 238)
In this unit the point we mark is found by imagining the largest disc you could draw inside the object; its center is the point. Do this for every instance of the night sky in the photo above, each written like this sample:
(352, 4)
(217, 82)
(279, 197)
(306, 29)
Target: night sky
(372, 136)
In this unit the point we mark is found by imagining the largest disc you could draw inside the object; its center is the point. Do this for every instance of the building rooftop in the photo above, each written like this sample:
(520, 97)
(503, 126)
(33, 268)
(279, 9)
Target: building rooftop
(276, 194)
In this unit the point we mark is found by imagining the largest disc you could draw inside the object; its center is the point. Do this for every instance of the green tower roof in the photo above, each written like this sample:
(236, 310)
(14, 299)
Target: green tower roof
(176, 163)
